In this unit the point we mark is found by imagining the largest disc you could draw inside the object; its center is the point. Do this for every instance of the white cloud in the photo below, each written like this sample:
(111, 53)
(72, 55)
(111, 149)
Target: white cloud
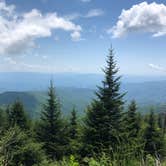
(142, 17)
(44, 57)
(94, 13)
(157, 67)
(7, 9)
(18, 32)
(91, 13)
(85, 0)
(73, 16)
(75, 36)
(56, 38)
(10, 60)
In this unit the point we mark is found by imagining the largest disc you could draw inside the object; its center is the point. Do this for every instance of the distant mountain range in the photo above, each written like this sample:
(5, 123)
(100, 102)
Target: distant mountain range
(26, 81)
(77, 90)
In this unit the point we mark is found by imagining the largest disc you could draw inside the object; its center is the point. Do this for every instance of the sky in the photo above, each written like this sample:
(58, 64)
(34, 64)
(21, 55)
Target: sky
(51, 36)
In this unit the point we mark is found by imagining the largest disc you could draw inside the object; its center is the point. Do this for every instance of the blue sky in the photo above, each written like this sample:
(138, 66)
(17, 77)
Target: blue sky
(75, 35)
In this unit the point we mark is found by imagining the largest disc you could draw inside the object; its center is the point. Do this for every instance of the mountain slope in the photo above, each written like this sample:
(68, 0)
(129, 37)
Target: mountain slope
(76, 90)
(33, 101)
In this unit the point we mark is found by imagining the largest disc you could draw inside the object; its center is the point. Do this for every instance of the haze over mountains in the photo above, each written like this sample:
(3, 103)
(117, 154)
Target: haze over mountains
(28, 81)
(77, 90)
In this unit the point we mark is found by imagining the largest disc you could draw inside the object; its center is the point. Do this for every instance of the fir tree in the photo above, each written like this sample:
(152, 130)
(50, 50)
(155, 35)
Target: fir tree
(17, 116)
(164, 125)
(132, 126)
(104, 117)
(73, 125)
(154, 144)
(74, 136)
(162, 122)
(51, 131)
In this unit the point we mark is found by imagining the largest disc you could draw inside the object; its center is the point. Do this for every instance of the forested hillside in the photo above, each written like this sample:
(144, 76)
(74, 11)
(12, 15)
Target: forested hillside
(109, 133)
(147, 94)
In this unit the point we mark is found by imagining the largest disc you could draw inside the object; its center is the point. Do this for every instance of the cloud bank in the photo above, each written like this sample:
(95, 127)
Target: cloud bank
(143, 17)
(157, 67)
(18, 32)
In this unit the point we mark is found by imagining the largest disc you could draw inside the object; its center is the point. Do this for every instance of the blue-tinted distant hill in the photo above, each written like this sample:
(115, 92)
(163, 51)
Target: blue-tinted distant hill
(25, 81)
(77, 90)
(34, 100)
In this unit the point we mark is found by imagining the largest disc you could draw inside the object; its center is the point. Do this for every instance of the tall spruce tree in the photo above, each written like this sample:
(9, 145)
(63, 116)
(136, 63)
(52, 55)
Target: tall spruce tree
(17, 116)
(154, 143)
(103, 124)
(51, 129)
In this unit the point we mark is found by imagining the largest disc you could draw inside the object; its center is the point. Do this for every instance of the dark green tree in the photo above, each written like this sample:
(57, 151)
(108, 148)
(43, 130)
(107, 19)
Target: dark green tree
(164, 125)
(17, 116)
(132, 121)
(162, 122)
(74, 135)
(73, 125)
(51, 131)
(154, 143)
(3, 120)
(104, 117)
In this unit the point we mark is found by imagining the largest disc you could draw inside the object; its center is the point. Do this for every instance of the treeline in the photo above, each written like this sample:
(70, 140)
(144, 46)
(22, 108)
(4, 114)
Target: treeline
(106, 136)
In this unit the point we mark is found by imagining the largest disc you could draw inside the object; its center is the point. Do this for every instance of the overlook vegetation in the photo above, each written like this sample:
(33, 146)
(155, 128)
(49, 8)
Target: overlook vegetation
(108, 135)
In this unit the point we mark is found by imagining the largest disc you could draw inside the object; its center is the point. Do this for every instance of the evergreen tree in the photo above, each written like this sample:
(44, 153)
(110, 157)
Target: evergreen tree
(104, 117)
(51, 131)
(17, 116)
(164, 125)
(132, 126)
(154, 143)
(3, 120)
(74, 136)
(73, 125)
(162, 122)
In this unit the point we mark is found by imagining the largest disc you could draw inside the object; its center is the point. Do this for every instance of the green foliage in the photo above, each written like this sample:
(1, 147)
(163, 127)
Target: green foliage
(74, 134)
(105, 137)
(154, 142)
(73, 125)
(3, 121)
(162, 122)
(132, 124)
(17, 116)
(16, 148)
(104, 117)
(51, 131)
(132, 138)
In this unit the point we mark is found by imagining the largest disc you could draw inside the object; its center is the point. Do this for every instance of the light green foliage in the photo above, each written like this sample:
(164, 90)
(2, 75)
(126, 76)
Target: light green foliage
(71, 161)
(150, 160)
(16, 149)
